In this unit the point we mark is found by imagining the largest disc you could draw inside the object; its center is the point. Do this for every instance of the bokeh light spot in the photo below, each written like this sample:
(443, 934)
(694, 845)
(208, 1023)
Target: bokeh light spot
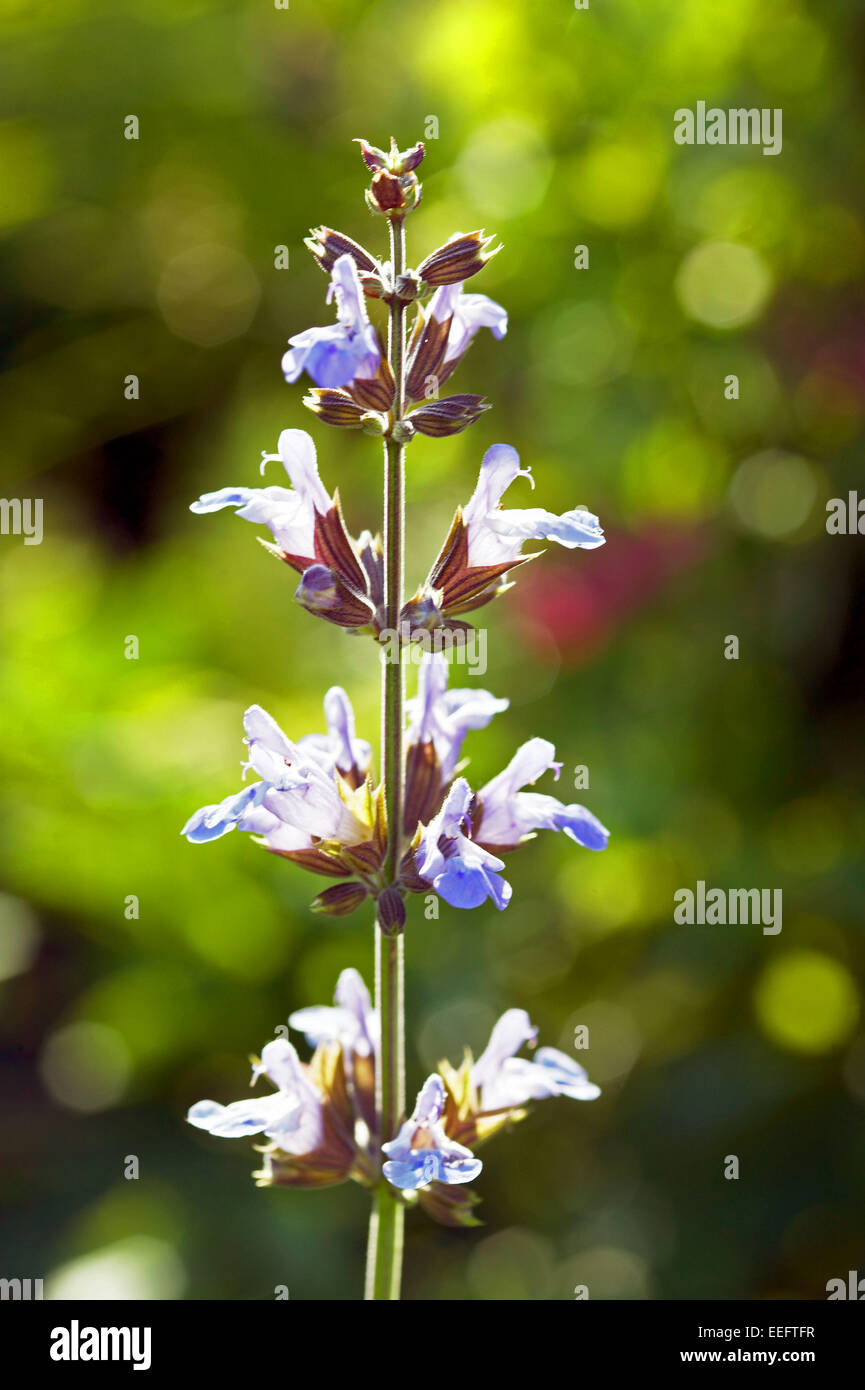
(19, 936)
(773, 493)
(505, 168)
(582, 344)
(723, 284)
(513, 1264)
(617, 182)
(85, 1066)
(807, 1002)
(208, 294)
(139, 1267)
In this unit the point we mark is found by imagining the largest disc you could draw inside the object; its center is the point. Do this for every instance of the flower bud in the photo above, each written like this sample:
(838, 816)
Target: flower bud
(396, 160)
(373, 424)
(423, 612)
(402, 431)
(322, 594)
(335, 408)
(426, 354)
(395, 188)
(340, 900)
(375, 392)
(327, 246)
(373, 157)
(410, 159)
(372, 559)
(372, 285)
(449, 1206)
(391, 911)
(387, 193)
(464, 255)
(450, 416)
(407, 287)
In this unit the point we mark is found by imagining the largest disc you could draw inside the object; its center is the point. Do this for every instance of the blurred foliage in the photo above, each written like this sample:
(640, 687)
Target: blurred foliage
(156, 257)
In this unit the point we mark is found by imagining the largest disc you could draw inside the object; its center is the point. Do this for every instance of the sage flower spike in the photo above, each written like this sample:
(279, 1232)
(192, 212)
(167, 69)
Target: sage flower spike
(422, 1153)
(341, 352)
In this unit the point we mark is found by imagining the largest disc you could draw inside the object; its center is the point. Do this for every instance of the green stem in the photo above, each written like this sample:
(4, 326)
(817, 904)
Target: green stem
(384, 1251)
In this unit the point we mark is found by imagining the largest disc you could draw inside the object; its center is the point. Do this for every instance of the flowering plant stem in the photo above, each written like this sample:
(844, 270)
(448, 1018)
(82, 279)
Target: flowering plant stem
(385, 1247)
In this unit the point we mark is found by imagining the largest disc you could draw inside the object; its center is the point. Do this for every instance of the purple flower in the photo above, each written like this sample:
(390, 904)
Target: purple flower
(237, 810)
(298, 798)
(443, 717)
(345, 351)
(291, 1116)
(322, 593)
(508, 814)
(457, 852)
(504, 1080)
(422, 1153)
(468, 313)
(339, 747)
(460, 871)
(289, 514)
(496, 537)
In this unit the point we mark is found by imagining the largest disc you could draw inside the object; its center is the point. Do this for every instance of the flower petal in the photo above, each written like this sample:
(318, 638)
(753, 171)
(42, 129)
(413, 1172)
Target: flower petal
(242, 1117)
(467, 885)
(568, 1077)
(211, 822)
(512, 1030)
(573, 529)
(297, 452)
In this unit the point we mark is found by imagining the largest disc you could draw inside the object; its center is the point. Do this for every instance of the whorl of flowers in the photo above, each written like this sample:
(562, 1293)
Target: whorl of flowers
(319, 1119)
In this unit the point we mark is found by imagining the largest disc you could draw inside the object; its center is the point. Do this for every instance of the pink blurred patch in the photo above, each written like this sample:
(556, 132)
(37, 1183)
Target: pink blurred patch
(579, 601)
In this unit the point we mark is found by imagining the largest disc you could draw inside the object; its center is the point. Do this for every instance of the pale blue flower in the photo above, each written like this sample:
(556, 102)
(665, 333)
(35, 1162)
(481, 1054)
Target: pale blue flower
(468, 314)
(289, 513)
(342, 352)
(459, 870)
(458, 850)
(496, 537)
(352, 1021)
(298, 798)
(210, 822)
(563, 1075)
(507, 814)
(504, 1080)
(443, 717)
(422, 1153)
(291, 1116)
(339, 747)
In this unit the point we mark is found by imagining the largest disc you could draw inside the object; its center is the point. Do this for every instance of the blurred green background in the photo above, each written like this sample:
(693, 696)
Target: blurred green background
(155, 257)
